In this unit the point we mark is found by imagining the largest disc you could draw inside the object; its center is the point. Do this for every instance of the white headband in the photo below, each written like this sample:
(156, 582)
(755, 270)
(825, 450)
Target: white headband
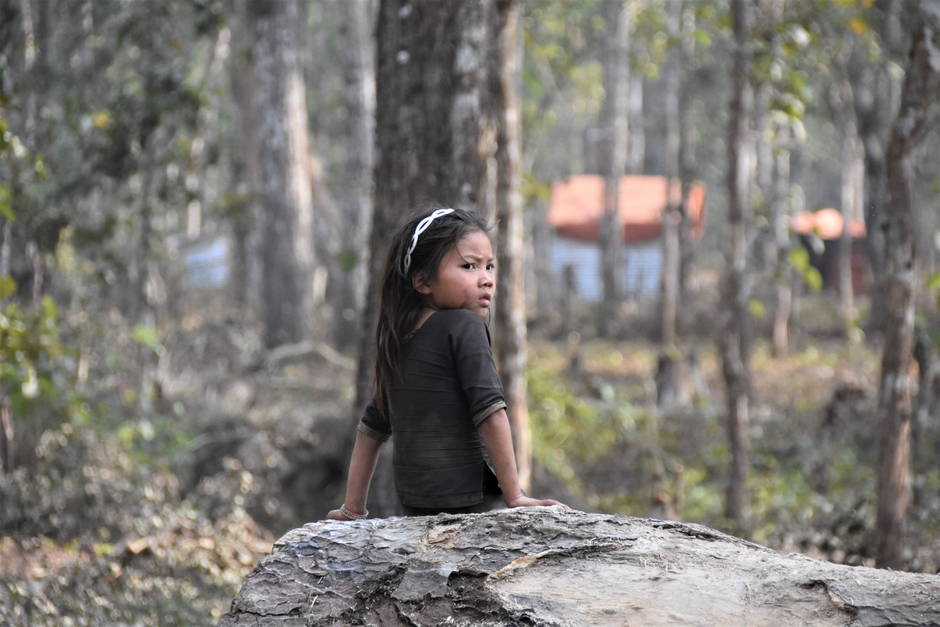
(421, 228)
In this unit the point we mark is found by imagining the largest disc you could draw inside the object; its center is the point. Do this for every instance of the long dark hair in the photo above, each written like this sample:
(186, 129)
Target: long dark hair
(400, 303)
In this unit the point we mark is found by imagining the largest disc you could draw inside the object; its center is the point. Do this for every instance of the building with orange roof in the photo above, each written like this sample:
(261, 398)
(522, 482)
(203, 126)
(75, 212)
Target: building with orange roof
(819, 232)
(575, 213)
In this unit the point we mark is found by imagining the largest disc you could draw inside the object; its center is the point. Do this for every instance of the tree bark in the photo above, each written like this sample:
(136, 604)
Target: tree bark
(851, 189)
(672, 214)
(613, 156)
(686, 162)
(780, 217)
(356, 199)
(285, 187)
(733, 340)
(876, 92)
(505, 61)
(921, 84)
(557, 567)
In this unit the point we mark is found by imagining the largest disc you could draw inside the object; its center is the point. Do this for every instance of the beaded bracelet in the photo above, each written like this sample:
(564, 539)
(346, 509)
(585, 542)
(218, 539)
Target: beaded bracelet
(350, 515)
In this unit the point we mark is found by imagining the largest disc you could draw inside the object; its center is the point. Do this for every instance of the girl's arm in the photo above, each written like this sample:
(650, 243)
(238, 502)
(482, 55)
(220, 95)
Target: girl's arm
(498, 440)
(361, 466)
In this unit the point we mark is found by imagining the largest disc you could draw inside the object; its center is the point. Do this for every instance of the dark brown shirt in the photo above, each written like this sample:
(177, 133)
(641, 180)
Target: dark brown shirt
(445, 387)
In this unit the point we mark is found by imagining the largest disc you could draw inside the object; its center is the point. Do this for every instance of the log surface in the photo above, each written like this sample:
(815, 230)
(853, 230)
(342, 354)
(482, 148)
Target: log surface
(548, 566)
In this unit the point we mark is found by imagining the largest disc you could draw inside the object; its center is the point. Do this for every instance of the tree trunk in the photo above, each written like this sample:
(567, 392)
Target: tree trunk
(921, 84)
(780, 217)
(733, 341)
(850, 196)
(636, 133)
(555, 567)
(778, 196)
(285, 188)
(613, 155)
(505, 61)
(686, 163)
(875, 90)
(436, 139)
(356, 198)
(669, 285)
(244, 283)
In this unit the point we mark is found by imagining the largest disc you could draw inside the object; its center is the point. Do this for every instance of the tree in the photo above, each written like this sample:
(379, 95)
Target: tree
(852, 184)
(913, 122)
(285, 192)
(356, 195)
(672, 214)
(613, 156)
(556, 567)
(733, 337)
(438, 100)
(504, 65)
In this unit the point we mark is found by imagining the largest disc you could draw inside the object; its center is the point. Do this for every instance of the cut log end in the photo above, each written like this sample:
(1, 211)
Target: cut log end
(549, 566)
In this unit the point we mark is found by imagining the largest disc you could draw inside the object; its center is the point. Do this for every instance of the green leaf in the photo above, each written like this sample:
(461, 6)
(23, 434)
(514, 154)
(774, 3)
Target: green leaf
(7, 286)
(148, 337)
(756, 308)
(813, 279)
(799, 258)
(5, 209)
(934, 281)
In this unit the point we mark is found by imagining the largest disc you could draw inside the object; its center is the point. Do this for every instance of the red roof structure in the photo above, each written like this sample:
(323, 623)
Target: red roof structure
(577, 206)
(826, 223)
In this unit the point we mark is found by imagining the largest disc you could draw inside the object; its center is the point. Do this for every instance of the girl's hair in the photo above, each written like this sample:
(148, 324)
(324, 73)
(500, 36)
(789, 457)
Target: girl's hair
(400, 303)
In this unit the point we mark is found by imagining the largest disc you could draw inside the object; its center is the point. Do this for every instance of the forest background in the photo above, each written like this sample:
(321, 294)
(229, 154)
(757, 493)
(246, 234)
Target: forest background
(192, 194)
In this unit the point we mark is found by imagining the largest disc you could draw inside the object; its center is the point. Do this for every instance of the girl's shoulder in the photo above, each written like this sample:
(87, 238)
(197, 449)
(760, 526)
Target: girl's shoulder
(455, 324)
(454, 318)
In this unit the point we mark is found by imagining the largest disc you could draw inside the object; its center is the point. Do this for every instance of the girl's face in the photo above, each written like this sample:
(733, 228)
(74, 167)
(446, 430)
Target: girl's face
(466, 277)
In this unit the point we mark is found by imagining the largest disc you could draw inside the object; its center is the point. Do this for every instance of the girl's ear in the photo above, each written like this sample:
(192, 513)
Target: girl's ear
(420, 283)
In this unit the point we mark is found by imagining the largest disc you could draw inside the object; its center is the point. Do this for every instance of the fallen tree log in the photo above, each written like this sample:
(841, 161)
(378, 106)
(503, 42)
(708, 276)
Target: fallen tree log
(548, 566)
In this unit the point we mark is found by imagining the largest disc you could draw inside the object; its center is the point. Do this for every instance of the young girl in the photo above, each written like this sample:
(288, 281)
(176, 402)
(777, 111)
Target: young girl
(437, 390)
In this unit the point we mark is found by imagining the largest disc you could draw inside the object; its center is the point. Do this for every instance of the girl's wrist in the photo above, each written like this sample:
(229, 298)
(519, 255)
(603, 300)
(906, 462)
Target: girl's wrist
(351, 515)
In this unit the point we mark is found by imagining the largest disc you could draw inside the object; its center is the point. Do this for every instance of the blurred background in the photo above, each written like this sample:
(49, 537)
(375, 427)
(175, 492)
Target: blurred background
(717, 232)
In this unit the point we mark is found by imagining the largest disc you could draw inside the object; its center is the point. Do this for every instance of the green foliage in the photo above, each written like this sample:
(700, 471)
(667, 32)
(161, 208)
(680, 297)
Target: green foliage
(798, 258)
(147, 336)
(34, 365)
(533, 188)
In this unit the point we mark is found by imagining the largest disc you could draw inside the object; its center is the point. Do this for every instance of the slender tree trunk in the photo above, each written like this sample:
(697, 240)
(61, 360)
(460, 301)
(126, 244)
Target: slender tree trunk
(876, 89)
(636, 133)
(672, 214)
(921, 85)
(356, 200)
(245, 284)
(850, 196)
(613, 155)
(733, 341)
(504, 72)
(777, 192)
(686, 163)
(780, 216)
(285, 186)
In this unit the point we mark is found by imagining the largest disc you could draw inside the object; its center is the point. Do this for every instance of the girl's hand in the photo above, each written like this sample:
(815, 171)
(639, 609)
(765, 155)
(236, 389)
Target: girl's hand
(527, 501)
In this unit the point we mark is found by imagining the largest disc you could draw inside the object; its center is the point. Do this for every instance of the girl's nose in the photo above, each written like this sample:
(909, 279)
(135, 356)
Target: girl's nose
(488, 278)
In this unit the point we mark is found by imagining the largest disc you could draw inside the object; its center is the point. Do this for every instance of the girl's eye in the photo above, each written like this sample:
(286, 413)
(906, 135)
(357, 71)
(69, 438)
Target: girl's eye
(491, 267)
(469, 266)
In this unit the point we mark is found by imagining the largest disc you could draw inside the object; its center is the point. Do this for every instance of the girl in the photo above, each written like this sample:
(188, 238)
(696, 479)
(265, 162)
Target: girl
(437, 389)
